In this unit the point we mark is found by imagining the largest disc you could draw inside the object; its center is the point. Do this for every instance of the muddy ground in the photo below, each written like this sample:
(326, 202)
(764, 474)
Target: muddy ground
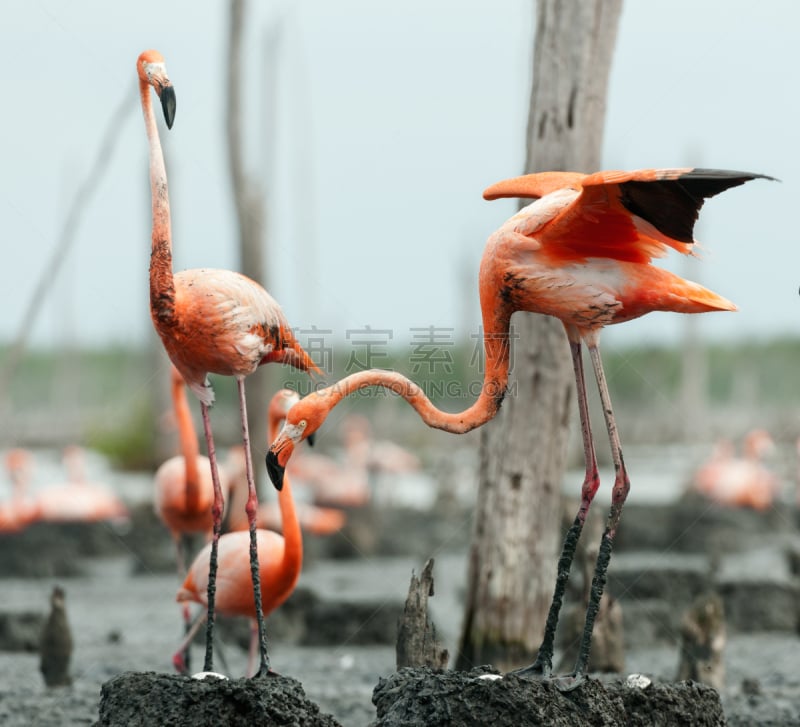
(123, 619)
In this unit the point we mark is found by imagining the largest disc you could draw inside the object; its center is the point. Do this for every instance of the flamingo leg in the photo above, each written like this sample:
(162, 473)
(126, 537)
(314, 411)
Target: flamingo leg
(252, 509)
(216, 513)
(178, 660)
(180, 559)
(543, 665)
(618, 495)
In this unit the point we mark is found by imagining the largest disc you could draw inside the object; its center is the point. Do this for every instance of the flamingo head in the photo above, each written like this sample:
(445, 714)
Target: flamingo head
(280, 404)
(152, 70)
(301, 422)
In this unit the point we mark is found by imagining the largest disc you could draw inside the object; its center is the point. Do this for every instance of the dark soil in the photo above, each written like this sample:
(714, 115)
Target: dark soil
(336, 636)
(147, 699)
(461, 699)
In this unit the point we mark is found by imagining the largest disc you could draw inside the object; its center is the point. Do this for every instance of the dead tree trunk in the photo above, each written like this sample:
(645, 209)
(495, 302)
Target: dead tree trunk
(417, 642)
(523, 452)
(250, 214)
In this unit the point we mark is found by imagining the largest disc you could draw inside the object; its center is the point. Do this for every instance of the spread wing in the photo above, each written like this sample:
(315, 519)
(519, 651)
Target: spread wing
(630, 216)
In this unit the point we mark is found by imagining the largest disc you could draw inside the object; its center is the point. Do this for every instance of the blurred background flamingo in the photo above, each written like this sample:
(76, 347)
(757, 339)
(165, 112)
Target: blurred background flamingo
(739, 480)
(77, 499)
(350, 480)
(20, 509)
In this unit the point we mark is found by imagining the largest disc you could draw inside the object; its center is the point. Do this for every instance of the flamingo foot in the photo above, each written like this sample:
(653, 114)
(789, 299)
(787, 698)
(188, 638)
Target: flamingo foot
(568, 682)
(179, 662)
(540, 669)
(265, 670)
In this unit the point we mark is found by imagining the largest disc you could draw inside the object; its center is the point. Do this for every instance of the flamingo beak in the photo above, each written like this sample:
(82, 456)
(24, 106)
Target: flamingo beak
(275, 470)
(168, 104)
(311, 438)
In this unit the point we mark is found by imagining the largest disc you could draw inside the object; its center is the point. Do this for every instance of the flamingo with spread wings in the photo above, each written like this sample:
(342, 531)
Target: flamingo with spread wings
(581, 252)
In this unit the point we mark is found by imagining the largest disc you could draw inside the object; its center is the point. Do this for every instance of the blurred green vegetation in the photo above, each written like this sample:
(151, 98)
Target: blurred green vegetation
(112, 399)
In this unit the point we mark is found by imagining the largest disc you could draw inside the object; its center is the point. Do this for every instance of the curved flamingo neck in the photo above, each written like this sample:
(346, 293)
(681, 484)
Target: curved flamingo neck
(496, 343)
(292, 535)
(290, 524)
(162, 287)
(190, 448)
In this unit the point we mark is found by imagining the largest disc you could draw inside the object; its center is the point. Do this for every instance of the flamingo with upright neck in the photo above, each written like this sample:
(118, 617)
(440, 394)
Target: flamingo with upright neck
(581, 252)
(210, 321)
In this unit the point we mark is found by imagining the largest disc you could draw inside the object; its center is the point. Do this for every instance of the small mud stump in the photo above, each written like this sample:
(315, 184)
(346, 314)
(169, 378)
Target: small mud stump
(457, 699)
(703, 638)
(417, 644)
(55, 646)
(139, 699)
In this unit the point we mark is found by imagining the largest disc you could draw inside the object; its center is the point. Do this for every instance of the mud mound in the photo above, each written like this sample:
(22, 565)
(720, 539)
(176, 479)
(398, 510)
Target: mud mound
(147, 698)
(425, 697)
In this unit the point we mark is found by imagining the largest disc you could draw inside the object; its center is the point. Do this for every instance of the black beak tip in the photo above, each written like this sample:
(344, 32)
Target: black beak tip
(275, 471)
(168, 105)
(311, 438)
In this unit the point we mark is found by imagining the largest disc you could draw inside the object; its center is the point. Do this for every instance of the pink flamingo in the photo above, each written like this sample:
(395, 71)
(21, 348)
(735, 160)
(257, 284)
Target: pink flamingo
(210, 321)
(78, 499)
(280, 558)
(346, 483)
(581, 252)
(20, 510)
(313, 518)
(365, 452)
(739, 481)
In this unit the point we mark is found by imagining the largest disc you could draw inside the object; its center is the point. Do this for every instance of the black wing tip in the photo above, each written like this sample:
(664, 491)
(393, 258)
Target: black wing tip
(725, 174)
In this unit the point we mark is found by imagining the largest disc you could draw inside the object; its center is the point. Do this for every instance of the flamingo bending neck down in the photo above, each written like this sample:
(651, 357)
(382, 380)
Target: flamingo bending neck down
(581, 252)
(210, 321)
(280, 557)
(313, 519)
(184, 490)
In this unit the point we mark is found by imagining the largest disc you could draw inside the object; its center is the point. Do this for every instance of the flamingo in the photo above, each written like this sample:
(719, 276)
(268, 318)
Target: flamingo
(581, 252)
(210, 321)
(739, 481)
(313, 519)
(20, 510)
(333, 483)
(367, 453)
(280, 557)
(184, 491)
(347, 483)
(78, 499)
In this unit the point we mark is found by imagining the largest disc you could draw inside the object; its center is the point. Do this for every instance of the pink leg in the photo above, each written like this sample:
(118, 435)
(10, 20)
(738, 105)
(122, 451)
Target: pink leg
(252, 509)
(178, 660)
(618, 496)
(180, 559)
(216, 512)
(543, 665)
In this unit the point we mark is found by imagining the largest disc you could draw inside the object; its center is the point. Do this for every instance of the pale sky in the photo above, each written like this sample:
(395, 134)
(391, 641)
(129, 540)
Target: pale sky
(391, 120)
